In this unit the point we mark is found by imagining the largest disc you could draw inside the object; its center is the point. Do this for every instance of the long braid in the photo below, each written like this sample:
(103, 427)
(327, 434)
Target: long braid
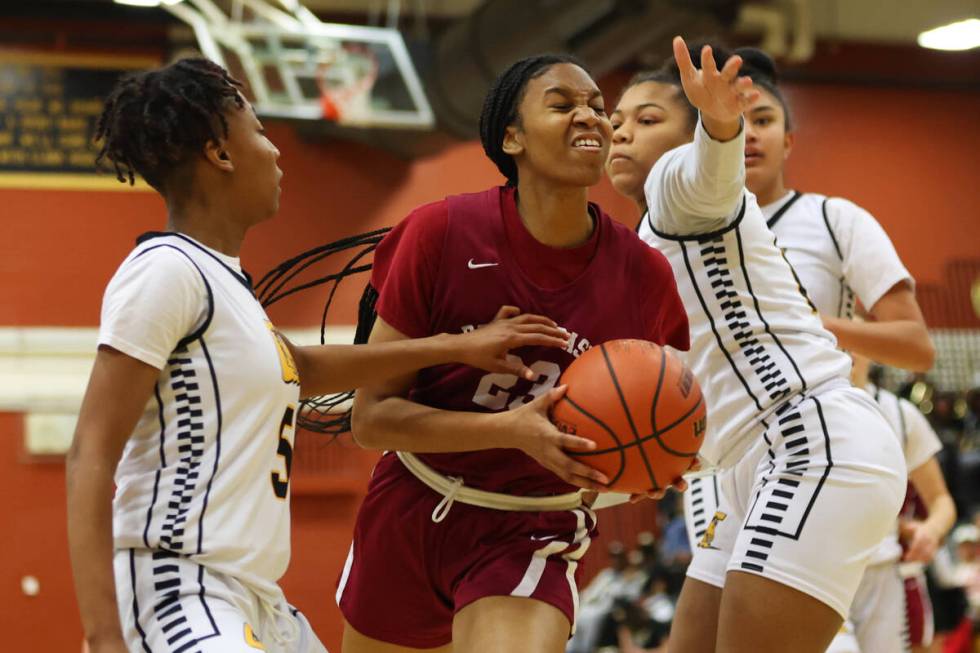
(327, 414)
(500, 107)
(154, 120)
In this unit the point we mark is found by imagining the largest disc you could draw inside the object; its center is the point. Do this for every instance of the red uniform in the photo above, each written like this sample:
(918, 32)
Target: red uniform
(448, 268)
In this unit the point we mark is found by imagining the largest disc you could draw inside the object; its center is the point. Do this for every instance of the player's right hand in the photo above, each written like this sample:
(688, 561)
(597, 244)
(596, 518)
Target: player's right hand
(539, 438)
(718, 94)
(488, 347)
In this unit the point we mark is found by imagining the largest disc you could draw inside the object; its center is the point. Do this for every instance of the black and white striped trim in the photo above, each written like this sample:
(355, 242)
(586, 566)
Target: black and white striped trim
(170, 598)
(768, 513)
(190, 448)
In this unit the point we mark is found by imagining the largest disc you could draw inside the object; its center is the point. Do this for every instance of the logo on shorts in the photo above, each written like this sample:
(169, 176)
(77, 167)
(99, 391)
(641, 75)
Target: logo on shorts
(473, 265)
(709, 533)
(251, 639)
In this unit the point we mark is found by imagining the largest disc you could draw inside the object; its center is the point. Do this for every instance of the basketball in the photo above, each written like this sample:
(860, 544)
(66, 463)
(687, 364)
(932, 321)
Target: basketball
(641, 406)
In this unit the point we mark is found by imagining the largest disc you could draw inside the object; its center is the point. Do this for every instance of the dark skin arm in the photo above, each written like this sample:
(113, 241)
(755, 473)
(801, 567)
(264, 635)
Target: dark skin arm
(118, 390)
(896, 335)
(326, 369)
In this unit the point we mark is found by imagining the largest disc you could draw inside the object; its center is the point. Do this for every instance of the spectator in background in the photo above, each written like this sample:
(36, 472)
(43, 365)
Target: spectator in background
(947, 577)
(675, 548)
(596, 600)
(966, 571)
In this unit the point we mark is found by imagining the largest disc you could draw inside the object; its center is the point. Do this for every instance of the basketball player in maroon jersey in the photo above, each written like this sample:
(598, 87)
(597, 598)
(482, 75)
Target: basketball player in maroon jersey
(471, 541)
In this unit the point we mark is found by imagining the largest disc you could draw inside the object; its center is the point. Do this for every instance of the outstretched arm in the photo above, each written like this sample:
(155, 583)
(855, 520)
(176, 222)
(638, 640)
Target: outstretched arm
(336, 368)
(697, 187)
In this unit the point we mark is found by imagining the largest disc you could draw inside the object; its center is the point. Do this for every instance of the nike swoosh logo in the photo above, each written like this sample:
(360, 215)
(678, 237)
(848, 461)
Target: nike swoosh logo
(476, 266)
(543, 539)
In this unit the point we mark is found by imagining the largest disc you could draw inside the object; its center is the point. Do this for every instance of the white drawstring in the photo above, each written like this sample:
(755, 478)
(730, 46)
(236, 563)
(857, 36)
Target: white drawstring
(273, 610)
(443, 507)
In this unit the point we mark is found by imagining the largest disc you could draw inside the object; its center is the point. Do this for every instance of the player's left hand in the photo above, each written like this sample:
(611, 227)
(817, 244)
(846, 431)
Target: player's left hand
(488, 347)
(678, 484)
(720, 95)
(920, 541)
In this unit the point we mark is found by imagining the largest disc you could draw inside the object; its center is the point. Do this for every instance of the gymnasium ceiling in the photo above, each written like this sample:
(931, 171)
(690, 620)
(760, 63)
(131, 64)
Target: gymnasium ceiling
(871, 21)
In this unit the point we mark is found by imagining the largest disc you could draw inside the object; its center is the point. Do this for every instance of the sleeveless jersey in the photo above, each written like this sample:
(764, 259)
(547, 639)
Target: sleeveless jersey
(756, 339)
(477, 273)
(205, 473)
(838, 249)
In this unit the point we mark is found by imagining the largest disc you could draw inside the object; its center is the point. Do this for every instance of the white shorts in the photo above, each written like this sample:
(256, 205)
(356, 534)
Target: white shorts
(878, 616)
(810, 501)
(700, 504)
(169, 603)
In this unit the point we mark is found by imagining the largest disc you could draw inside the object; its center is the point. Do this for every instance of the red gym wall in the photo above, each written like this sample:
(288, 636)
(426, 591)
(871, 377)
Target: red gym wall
(909, 156)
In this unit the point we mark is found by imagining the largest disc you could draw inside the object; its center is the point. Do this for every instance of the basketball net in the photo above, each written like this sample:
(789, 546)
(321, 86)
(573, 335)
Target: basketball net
(345, 86)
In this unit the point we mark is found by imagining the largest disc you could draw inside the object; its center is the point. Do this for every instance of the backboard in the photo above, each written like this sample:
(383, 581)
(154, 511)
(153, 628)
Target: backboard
(298, 67)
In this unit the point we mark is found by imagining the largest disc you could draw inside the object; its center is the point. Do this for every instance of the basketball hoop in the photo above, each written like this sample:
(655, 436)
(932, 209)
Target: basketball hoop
(297, 67)
(345, 86)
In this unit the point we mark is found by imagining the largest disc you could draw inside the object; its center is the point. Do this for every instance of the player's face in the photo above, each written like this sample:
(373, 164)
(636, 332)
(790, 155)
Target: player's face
(563, 132)
(649, 120)
(256, 171)
(767, 143)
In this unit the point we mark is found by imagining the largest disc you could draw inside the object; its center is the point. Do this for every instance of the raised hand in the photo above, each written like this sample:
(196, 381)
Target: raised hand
(541, 440)
(487, 348)
(720, 95)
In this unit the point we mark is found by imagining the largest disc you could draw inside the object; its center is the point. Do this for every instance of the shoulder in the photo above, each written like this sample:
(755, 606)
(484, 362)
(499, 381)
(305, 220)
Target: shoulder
(431, 216)
(425, 224)
(414, 242)
(844, 212)
(159, 258)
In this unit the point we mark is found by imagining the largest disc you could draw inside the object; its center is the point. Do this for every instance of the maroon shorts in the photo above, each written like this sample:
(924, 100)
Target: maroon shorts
(407, 576)
(918, 610)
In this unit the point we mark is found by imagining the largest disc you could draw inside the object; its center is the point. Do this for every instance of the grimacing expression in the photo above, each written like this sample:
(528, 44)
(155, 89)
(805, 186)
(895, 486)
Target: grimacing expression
(562, 132)
(650, 120)
(767, 143)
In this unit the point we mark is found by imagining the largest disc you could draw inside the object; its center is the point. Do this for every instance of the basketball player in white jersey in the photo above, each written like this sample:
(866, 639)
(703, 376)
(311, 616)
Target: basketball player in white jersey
(191, 405)
(893, 594)
(838, 251)
(840, 254)
(811, 475)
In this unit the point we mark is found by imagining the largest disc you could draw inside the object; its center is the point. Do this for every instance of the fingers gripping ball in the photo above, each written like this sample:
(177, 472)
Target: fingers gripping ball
(642, 407)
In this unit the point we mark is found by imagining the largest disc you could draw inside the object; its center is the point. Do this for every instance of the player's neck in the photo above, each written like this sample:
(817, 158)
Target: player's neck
(207, 224)
(555, 217)
(771, 192)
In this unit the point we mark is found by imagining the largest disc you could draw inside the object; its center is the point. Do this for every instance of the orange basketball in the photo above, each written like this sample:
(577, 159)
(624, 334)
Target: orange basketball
(642, 407)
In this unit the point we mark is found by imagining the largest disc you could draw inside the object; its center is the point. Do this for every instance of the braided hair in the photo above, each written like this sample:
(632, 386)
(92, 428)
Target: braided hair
(153, 121)
(500, 107)
(756, 65)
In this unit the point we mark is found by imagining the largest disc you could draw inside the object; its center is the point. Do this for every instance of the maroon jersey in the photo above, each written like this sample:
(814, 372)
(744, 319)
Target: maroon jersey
(451, 265)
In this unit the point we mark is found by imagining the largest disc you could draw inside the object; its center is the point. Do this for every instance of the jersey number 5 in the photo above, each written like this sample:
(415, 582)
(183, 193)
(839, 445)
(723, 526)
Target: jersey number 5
(280, 482)
(495, 390)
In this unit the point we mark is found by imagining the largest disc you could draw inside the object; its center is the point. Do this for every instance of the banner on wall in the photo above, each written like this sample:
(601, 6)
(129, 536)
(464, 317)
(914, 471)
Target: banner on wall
(49, 106)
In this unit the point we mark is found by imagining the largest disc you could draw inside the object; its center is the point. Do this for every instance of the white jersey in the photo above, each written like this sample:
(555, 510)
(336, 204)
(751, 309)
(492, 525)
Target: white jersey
(205, 473)
(919, 444)
(756, 340)
(838, 250)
